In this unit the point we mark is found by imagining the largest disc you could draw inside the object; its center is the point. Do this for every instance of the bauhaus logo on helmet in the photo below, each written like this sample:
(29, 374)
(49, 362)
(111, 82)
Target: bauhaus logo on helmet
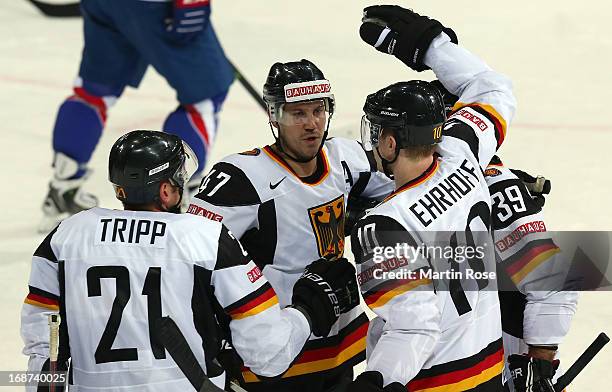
(386, 113)
(307, 90)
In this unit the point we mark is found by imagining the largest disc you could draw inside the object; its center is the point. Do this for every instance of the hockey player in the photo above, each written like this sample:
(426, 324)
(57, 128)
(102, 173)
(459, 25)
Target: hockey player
(431, 333)
(122, 38)
(536, 307)
(112, 274)
(286, 203)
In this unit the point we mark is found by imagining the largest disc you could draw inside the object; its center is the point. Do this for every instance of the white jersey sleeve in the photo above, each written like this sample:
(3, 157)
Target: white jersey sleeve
(252, 304)
(408, 325)
(486, 105)
(530, 260)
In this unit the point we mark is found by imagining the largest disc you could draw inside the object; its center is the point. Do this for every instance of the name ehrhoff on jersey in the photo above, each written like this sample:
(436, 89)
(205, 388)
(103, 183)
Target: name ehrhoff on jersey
(445, 194)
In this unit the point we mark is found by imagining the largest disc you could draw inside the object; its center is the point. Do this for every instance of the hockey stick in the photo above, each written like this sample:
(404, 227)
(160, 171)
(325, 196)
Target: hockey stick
(68, 10)
(173, 340)
(249, 88)
(581, 362)
(54, 324)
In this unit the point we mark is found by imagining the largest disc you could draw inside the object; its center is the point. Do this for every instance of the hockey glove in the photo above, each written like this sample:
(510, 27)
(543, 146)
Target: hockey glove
(189, 19)
(398, 31)
(326, 290)
(532, 374)
(372, 381)
(537, 186)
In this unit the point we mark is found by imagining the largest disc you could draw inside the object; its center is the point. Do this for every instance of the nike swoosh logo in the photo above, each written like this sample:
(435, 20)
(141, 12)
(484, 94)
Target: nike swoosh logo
(277, 184)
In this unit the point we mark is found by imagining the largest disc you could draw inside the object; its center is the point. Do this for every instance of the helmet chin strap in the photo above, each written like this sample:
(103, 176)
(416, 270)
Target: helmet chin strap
(385, 163)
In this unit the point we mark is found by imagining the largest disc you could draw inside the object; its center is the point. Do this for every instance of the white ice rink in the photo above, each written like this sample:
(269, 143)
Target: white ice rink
(558, 53)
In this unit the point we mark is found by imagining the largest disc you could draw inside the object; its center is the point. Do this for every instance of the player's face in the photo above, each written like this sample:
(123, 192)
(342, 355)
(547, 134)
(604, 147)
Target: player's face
(301, 128)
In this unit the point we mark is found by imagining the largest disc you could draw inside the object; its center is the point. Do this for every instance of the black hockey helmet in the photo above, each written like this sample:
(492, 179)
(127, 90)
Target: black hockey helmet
(449, 98)
(413, 110)
(140, 160)
(295, 81)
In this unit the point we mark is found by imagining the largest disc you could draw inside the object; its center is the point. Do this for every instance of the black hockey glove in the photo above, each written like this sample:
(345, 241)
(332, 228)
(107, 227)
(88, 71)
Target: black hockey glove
(532, 374)
(372, 381)
(326, 290)
(356, 208)
(398, 31)
(537, 186)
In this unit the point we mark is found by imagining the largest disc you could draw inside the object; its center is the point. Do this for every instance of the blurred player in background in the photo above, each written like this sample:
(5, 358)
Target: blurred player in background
(112, 274)
(287, 203)
(431, 333)
(122, 38)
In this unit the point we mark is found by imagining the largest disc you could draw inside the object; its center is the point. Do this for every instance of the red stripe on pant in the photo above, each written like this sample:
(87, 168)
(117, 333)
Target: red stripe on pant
(96, 102)
(196, 119)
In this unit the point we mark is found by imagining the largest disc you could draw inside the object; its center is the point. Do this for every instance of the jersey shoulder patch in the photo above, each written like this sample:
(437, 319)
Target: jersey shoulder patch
(251, 153)
(227, 185)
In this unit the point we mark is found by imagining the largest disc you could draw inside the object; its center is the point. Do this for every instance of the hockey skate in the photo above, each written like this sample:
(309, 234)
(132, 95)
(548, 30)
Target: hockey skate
(65, 196)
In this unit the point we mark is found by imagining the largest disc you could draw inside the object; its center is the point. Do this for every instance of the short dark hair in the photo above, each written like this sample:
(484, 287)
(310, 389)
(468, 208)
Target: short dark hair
(413, 152)
(419, 152)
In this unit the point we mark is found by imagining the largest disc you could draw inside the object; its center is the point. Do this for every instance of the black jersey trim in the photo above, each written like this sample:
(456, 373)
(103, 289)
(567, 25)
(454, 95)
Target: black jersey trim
(460, 130)
(229, 251)
(252, 297)
(45, 250)
(261, 242)
(463, 363)
(237, 191)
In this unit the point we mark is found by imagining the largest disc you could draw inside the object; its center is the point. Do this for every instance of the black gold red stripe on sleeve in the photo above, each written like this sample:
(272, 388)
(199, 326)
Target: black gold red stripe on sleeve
(326, 354)
(529, 258)
(386, 291)
(471, 373)
(254, 303)
(42, 299)
(492, 115)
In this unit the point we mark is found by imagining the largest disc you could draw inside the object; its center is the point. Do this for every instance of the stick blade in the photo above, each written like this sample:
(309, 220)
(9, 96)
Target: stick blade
(174, 341)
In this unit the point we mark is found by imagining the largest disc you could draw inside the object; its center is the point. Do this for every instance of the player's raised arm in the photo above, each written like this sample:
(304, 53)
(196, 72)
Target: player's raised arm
(267, 337)
(486, 103)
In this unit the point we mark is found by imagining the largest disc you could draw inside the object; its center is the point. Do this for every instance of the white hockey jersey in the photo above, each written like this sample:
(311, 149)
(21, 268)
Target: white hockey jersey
(286, 222)
(111, 274)
(535, 307)
(440, 332)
